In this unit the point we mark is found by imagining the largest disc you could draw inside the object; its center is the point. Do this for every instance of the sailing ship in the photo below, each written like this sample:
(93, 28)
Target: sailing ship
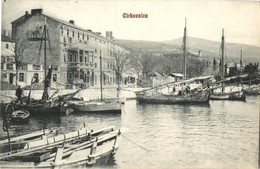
(155, 94)
(46, 105)
(237, 95)
(78, 148)
(102, 106)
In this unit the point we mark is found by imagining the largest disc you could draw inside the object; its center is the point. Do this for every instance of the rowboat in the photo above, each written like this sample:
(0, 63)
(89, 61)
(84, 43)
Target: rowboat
(95, 106)
(82, 147)
(20, 116)
(18, 142)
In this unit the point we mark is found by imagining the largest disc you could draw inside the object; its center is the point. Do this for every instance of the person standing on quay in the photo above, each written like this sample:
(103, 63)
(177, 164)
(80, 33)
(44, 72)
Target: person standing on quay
(18, 94)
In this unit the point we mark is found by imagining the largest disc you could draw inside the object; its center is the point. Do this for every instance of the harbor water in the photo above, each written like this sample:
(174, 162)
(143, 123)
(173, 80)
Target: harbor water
(221, 135)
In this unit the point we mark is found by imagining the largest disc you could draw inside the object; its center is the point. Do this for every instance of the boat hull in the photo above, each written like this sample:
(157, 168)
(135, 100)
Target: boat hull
(98, 149)
(199, 97)
(235, 96)
(96, 107)
(39, 109)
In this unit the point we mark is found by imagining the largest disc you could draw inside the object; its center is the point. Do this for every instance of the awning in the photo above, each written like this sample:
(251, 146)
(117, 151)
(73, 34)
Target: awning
(108, 74)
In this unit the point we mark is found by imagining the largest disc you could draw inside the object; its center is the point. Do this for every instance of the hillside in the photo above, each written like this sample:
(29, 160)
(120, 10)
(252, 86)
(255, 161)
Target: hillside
(209, 49)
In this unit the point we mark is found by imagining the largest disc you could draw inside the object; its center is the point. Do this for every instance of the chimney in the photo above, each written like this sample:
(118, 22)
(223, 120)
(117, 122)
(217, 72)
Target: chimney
(36, 11)
(26, 14)
(71, 21)
(109, 34)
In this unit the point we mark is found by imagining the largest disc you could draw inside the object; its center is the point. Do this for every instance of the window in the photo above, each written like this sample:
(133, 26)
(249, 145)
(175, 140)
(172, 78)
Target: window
(70, 40)
(87, 37)
(68, 33)
(70, 57)
(78, 35)
(23, 67)
(81, 58)
(75, 58)
(83, 36)
(70, 75)
(7, 46)
(4, 75)
(76, 74)
(2, 59)
(64, 42)
(36, 67)
(35, 78)
(73, 34)
(54, 77)
(95, 65)
(21, 77)
(65, 58)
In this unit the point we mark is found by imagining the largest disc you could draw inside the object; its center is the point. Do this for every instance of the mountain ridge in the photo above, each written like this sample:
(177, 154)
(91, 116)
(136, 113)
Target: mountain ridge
(209, 49)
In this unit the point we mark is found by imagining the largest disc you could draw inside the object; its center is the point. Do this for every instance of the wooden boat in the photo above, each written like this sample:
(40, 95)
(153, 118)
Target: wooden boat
(18, 142)
(46, 105)
(198, 97)
(235, 96)
(102, 106)
(253, 90)
(155, 94)
(20, 116)
(95, 106)
(82, 147)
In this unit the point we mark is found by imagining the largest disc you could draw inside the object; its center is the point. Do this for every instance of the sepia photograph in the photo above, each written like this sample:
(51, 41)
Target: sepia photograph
(130, 84)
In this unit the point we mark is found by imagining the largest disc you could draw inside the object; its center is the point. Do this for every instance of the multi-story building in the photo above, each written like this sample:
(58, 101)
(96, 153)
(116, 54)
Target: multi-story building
(7, 58)
(74, 52)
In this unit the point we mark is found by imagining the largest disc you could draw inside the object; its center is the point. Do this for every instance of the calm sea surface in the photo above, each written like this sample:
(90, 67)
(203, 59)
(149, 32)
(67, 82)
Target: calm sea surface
(221, 135)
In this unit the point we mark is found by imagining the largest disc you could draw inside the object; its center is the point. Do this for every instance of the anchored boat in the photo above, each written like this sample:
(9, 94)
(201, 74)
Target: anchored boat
(103, 106)
(238, 95)
(155, 94)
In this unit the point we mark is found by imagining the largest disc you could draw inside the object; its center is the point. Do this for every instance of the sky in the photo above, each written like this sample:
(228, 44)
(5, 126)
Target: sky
(166, 18)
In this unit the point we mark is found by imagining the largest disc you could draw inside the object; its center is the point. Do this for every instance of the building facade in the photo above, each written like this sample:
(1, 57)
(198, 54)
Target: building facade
(74, 52)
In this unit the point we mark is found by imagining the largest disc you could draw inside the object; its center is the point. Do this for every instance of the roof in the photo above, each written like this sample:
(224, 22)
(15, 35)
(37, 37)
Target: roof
(6, 39)
(176, 74)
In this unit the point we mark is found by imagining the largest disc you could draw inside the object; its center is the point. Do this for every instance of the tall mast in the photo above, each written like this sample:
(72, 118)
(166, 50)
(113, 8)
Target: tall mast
(222, 54)
(222, 58)
(101, 76)
(184, 50)
(45, 57)
(241, 62)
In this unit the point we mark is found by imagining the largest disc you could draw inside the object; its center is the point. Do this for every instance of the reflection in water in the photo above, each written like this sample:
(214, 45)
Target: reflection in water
(222, 134)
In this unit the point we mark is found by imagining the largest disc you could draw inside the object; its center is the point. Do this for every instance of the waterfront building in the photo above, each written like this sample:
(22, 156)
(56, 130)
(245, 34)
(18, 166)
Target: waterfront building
(7, 58)
(74, 52)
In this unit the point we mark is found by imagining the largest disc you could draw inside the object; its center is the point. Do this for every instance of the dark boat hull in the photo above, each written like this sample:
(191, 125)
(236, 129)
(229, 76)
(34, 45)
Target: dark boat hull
(20, 116)
(199, 97)
(40, 109)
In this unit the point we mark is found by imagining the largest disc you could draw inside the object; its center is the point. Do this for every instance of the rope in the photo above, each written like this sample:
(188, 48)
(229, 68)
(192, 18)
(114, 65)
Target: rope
(135, 143)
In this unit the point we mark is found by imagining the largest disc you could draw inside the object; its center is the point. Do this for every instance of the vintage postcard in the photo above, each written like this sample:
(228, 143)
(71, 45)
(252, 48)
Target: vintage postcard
(130, 84)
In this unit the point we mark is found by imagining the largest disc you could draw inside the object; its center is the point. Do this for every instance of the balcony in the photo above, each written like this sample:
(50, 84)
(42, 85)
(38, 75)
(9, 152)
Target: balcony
(80, 65)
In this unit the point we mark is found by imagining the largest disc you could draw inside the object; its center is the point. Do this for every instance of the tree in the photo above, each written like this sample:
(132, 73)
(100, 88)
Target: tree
(146, 63)
(121, 64)
(21, 44)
